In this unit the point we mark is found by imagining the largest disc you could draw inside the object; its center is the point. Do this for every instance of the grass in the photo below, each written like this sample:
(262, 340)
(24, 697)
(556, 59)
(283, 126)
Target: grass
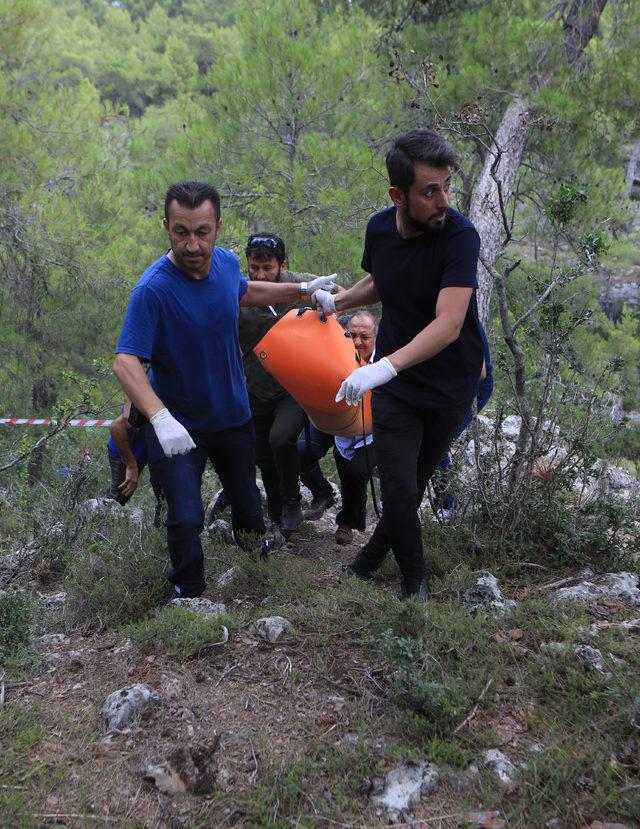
(178, 632)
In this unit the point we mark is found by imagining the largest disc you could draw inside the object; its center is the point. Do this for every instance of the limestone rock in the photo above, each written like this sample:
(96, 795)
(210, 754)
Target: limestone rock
(620, 586)
(228, 577)
(499, 764)
(270, 628)
(485, 596)
(51, 639)
(123, 706)
(204, 607)
(405, 785)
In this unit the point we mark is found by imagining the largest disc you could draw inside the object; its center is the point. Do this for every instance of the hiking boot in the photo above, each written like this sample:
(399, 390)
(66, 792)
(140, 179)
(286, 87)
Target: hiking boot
(349, 572)
(291, 517)
(318, 505)
(344, 535)
(219, 506)
(416, 589)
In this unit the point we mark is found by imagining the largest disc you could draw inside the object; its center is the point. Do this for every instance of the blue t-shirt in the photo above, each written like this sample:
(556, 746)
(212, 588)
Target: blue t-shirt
(408, 275)
(188, 330)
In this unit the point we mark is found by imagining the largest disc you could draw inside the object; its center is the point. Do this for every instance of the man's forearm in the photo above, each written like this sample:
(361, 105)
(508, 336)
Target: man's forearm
(261, 294)
(120, 437)
(429, 342)
(362, 293)
(136, 385)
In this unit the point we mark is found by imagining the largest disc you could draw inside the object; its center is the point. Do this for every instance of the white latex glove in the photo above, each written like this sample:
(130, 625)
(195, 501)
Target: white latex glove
(326, 283)
(172, 436)
(324, 302)
(364, 379)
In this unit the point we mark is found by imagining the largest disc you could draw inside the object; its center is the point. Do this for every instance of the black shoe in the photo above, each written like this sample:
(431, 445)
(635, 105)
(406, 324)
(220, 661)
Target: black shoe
(317, 507)
(219, 506)
(291, 517)
(416, 589)
(349, 572)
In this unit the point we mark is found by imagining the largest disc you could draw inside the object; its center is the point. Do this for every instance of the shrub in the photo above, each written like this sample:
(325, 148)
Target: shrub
(16, 617)
(114, 572)
(176, 631)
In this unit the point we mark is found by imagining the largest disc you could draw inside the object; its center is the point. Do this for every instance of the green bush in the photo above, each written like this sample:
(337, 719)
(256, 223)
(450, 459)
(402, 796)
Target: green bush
(114, 572)
(17, 614)
(176, 631)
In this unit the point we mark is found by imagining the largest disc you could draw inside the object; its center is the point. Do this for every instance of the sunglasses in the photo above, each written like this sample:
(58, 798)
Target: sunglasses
(264, 241)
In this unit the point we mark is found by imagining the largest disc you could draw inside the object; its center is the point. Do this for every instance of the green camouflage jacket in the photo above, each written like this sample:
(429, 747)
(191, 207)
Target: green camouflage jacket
(254, 324)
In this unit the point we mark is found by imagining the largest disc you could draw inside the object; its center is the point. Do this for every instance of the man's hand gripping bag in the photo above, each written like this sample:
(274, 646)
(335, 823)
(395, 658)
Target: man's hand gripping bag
(311, 358)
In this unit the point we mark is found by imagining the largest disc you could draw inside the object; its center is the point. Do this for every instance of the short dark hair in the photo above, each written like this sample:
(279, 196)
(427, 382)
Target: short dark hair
(416, 147)
(266, 245)
(191, 194)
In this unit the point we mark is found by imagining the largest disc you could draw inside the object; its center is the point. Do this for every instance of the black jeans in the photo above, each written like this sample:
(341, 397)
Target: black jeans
(232, 453)
(409, 442)
(354, 475)
(278, 424)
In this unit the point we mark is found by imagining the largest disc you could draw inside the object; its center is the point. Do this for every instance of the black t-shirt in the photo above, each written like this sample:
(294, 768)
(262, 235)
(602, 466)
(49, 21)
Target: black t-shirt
(408, 275)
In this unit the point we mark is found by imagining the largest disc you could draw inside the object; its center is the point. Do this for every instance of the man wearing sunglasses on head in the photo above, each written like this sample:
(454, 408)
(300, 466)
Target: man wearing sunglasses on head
(183, 319)
(277, 418)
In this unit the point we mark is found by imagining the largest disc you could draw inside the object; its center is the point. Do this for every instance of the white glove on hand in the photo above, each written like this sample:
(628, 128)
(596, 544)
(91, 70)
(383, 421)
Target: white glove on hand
(325, 283)
(172, 436)
(364, 379)
(324, 302)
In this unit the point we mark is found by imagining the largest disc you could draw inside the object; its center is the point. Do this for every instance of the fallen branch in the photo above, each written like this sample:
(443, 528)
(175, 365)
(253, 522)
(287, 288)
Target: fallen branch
(474, 710)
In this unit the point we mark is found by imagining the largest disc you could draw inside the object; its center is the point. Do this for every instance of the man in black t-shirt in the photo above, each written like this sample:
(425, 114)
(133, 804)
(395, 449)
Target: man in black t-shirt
(421, 257)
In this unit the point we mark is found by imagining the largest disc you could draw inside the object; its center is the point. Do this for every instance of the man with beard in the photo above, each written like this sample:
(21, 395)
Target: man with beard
(183, 319)
(421, 258)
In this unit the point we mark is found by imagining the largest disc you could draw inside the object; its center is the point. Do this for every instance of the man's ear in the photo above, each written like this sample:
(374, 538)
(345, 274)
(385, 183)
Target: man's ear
(283, 267)
(397, 196)
(165, 224)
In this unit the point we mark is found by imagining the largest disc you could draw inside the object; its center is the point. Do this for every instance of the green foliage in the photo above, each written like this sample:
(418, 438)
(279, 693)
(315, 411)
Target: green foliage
(116, 577)
(563, 204)
(175, 631)
(17, 614)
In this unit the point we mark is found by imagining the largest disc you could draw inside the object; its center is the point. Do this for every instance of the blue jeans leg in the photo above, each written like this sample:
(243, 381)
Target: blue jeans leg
(179, 478)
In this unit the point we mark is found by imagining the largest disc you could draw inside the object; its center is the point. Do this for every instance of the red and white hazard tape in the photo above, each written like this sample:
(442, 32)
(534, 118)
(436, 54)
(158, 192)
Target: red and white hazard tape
(43, 421)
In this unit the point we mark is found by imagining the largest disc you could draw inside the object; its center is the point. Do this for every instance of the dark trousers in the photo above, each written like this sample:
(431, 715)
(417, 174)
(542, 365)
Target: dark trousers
(310, 457)
(354, 475)
(278, 424)
(409, 442)
(232, 453)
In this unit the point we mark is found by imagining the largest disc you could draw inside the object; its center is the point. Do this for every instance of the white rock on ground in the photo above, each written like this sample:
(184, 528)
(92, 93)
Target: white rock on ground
(499, 764)
(204, 607)
(405, 785)
(54, 601)
(228, 577)
(51, 639)
(123, 706)
(270, 628)
(590, 658)
(620, 586)
(485, 596)
(166, 778)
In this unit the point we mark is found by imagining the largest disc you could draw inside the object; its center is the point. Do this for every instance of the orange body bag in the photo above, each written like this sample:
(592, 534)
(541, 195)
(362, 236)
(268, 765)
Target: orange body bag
(311, 358)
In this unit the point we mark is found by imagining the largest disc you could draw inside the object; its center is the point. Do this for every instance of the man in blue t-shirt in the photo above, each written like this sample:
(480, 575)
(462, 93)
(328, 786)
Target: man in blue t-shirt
(421, 258)
(183, 319)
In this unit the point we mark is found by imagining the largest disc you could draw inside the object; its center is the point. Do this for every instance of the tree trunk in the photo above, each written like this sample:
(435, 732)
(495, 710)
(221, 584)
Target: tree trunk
(493, 191)
(495, 187)
(633, 174)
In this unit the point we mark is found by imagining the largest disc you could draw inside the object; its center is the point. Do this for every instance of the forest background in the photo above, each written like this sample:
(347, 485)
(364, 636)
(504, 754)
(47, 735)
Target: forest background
(287, 107)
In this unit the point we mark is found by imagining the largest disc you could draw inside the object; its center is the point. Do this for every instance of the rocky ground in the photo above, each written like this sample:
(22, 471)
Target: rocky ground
(287, 697)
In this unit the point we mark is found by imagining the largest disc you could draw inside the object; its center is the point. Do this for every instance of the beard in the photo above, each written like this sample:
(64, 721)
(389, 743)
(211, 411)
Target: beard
(429, 227)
